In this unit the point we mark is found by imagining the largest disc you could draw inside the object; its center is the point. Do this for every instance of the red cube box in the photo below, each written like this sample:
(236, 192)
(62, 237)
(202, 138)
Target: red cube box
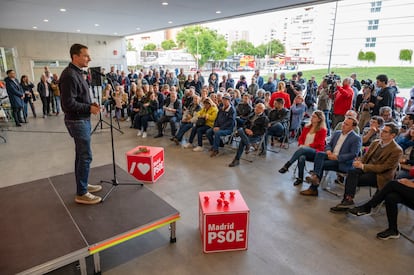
(223, 221)
(146, 163)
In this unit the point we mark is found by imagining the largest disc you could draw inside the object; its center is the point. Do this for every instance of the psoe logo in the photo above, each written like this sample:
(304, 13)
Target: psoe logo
(158, 166)
(143, 168)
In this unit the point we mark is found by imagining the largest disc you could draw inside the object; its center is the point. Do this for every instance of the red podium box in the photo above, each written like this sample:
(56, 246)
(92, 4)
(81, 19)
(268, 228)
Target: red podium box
(223, 221)
(146, 163)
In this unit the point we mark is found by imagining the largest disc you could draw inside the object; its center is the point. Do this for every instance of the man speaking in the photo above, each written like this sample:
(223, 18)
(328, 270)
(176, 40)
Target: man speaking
(77, 106)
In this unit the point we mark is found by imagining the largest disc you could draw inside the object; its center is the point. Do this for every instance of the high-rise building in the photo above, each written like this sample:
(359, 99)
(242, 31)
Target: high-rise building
(382, 27)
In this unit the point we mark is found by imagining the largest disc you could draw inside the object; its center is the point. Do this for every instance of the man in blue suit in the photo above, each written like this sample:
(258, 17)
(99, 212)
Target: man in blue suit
(339, 154)
(16, 94)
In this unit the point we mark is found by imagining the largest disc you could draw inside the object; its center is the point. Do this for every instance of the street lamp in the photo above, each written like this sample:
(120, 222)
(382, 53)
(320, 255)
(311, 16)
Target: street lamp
(197, 56)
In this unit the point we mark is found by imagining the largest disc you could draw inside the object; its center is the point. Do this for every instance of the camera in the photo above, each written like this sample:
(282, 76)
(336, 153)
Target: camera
(331, 80)
(367, 82)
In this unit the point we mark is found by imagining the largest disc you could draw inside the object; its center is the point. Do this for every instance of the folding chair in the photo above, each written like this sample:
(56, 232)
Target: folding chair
(256, 149)
(283, 141)
(326, 185)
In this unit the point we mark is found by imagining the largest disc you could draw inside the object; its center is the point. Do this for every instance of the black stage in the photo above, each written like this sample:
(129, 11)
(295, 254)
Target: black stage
(42, 228)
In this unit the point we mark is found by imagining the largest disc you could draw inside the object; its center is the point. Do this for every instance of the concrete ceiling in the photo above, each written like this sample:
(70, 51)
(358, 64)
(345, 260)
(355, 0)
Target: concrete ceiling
(127, 17)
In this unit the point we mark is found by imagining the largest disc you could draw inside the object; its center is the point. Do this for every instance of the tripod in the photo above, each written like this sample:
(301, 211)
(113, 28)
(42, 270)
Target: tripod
(114, 181)
(101, 121)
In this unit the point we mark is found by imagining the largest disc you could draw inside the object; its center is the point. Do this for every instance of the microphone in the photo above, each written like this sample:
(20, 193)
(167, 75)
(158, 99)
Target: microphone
(97, 71)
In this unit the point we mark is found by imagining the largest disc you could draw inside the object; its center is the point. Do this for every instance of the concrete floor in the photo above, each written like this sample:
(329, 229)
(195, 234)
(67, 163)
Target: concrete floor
(289, 234)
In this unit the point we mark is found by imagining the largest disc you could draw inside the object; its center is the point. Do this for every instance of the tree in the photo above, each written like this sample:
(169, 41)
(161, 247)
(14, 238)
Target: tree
(130, 47)
(361, 56)
(370, 57)
(271, 48)
(406, 55)
(211, 46)
(168, 44)
(243, 46)
(150, 47)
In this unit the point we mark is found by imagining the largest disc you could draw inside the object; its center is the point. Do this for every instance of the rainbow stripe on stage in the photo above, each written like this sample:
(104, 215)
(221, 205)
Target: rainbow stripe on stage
(132, 234)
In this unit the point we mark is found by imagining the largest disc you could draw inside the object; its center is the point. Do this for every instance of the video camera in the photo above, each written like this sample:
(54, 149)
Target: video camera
(368, 83)
(331, 80)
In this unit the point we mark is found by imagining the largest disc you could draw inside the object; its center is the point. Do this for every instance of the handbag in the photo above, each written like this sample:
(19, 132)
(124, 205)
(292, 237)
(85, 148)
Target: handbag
(201, 121)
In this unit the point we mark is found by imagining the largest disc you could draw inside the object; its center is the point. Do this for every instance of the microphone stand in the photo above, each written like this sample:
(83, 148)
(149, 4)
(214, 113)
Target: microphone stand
(114, 181)
(101, 120)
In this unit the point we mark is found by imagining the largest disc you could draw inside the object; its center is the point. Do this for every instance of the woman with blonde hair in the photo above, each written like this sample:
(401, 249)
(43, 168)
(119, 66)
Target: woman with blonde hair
(311, 140)
(281, 93)
(209, 114)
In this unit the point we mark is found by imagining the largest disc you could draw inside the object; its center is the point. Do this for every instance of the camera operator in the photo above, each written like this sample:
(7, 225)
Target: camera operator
(385, 96)
(343, 100)
(325, 102)
(311, 88)
(365, 103)
(293, 88)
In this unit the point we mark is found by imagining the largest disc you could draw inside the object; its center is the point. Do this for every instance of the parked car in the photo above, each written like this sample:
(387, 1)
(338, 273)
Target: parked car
(244, 68)
(230, 69)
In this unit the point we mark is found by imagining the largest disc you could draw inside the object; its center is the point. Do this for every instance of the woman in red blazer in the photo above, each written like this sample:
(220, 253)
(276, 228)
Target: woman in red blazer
(311, 140)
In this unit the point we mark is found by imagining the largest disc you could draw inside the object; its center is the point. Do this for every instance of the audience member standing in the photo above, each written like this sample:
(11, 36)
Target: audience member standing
(44, 89)
(343, 101)
(16, 95)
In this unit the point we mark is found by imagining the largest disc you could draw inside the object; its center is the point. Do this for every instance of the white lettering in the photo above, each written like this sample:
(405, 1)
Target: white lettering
(223, 236)
(158, 166)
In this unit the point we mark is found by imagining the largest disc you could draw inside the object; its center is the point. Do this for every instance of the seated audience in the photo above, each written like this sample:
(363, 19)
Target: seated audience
(144, 108)
(394, 192)
(209, 113)
(278, 120)
(251, 132)
(243, 110)
(281, 93)
(386, 113)
(311, 141)
(223, 126)
(172, 114)
(372, 132)
(343, 147)
(404, 138)
(353, 115)
(189, 118)
(376, 168)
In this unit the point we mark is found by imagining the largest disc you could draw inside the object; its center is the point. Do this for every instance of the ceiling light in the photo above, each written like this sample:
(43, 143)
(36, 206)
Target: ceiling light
(34, 27)
(96, 25)
(62, 10)
(218, 12)
(138, 29)
(169, 22)
(164, 3)
(115, 33)
(45, 20)
(77, 30)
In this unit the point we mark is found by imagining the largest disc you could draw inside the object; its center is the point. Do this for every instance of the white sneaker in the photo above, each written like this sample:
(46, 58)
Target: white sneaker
(198, 149)
(144, 134)
(94, 188)
(188, 145)
(88, 198)
(128, 119)
(139, 133)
